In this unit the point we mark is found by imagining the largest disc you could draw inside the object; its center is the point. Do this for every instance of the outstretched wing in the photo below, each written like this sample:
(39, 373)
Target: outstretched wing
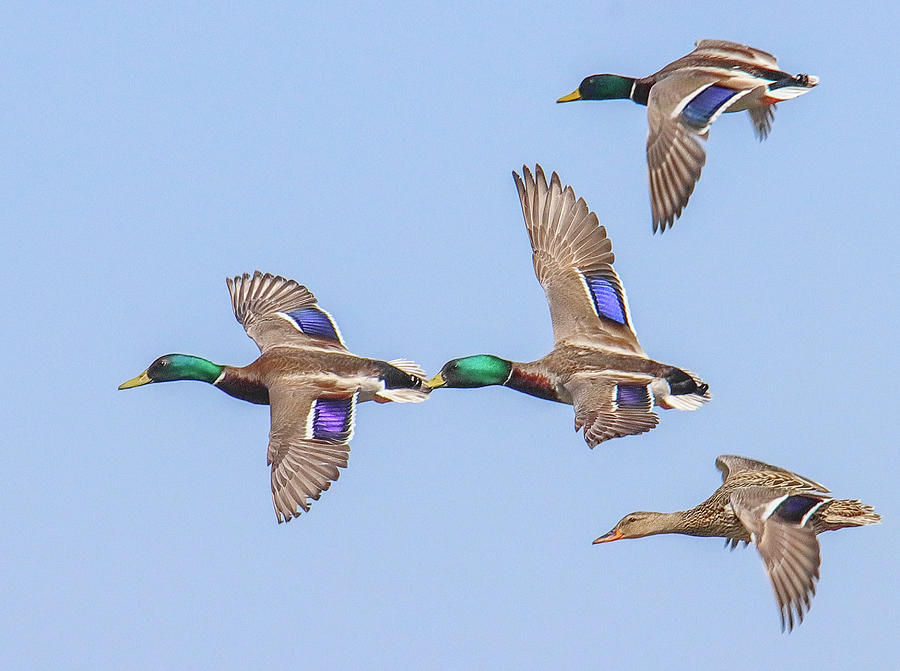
(675, 155)
(729, 464)
(573, 262)
(734, 51)
(612, 405)
(277, 312)
(776, 521)
(308, 442)
(680, 110)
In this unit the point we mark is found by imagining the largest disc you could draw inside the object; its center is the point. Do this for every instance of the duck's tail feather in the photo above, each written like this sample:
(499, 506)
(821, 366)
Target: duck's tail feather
(404, 382)
(842, 513)
(790, 87)
(680, 390)
(410, 367)
(402, 395)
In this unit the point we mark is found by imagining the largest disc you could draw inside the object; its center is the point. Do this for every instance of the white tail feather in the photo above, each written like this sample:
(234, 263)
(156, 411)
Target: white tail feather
(680, 401)
(409, 367)
(788, 92)
(403, 395)
(685, 401)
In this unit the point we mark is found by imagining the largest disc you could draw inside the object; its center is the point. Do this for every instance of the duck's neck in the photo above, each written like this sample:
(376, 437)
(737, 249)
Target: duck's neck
(529, 380)
(679, 522)
(640, 92)
(240, 383)
(484, 370)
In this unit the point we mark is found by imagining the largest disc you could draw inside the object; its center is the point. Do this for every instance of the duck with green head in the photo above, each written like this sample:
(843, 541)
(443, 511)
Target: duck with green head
(597, 364)
(780, 511)
(306, 375)
(684, 98)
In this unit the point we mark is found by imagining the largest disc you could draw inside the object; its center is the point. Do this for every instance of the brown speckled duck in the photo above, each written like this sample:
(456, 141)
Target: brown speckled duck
(307, 377)
(684, 98)
(597, 364)
(781, 512)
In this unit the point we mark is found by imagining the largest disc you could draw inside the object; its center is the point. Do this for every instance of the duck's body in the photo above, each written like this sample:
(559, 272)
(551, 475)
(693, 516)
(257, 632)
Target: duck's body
(327, 371)
(307, 376)
(597, 364)
(684, 98)
(780, 511)
(553, 376)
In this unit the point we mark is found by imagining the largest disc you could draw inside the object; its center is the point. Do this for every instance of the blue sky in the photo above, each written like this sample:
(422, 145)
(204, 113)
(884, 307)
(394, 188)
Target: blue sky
(149, 152)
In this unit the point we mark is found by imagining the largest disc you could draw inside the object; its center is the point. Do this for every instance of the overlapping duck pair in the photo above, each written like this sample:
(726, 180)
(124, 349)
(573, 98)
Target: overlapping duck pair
(313, 383)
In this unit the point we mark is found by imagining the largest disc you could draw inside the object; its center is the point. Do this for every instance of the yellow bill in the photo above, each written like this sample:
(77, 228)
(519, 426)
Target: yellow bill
(436, 381)
(574, 95)
(141, 379)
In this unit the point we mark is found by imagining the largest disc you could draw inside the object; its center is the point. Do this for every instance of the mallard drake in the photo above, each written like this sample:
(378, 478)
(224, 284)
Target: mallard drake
(307, 377)
(781, 512)
(684, 98)
(597, 364)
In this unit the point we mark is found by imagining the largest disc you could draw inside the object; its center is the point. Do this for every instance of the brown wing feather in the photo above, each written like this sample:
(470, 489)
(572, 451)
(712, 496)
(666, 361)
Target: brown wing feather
(791, 556)
(762, 118)
(733, 50)
(675, 154)
(567, 242)
(790, 552)
(730, 464)
(302, 467)
(256, 301)
(598, 413)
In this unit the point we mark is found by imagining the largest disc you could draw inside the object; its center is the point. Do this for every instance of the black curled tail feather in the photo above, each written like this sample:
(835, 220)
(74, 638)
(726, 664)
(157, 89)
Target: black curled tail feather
(681, 383)
(803, 80)
(394, 378)
(404, 382)
(686, 391)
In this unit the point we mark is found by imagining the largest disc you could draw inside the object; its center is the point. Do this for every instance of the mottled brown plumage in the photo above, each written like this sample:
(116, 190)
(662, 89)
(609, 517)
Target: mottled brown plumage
(780, 511)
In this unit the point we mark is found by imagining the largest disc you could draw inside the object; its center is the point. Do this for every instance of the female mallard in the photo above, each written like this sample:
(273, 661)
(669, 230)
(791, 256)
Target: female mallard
(778, 510)
(306, 375)
(597, 364)
(684, 98)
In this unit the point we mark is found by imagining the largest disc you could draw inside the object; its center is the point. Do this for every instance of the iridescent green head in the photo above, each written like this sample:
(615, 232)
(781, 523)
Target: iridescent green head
(480, 370)
(176, 367)
(601, 87)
